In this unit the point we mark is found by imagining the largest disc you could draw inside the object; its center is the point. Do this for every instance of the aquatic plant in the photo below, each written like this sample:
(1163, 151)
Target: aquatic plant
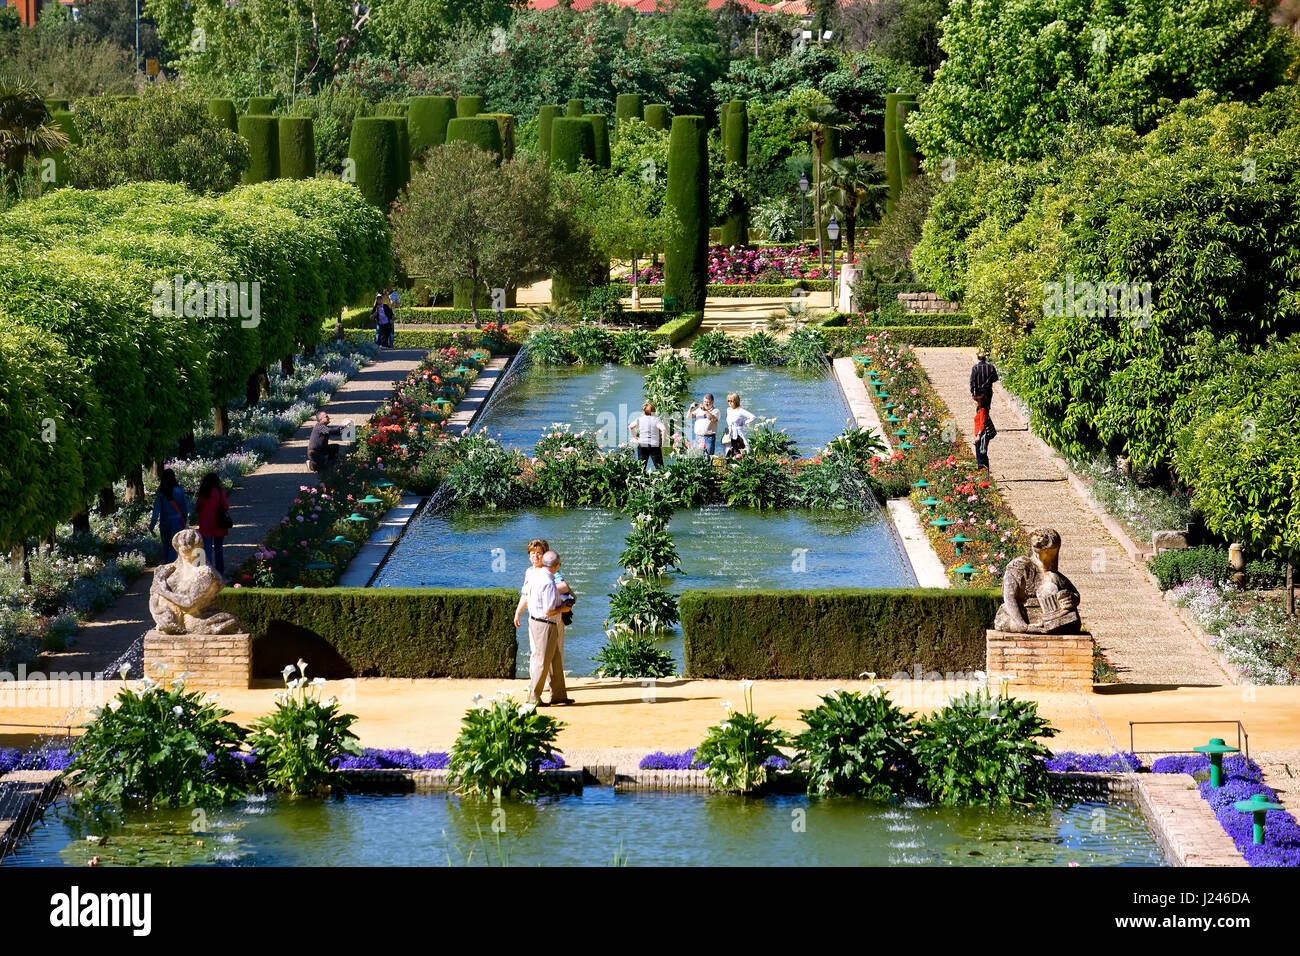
(735, 754)
(501, 749)
(857, 744)
(626, 654)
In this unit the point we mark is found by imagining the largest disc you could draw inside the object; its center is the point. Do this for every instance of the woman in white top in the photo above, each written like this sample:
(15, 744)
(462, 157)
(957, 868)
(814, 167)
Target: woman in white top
(706, 424)
(649, 432)
(737, 419)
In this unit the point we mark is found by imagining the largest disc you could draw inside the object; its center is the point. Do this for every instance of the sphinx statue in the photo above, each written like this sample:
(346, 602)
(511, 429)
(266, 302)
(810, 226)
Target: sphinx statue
(183, 591)
(1036, 597)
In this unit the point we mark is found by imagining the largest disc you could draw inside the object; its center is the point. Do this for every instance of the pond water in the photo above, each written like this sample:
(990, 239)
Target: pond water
(605, 398)
(720, 547)
(645, 828)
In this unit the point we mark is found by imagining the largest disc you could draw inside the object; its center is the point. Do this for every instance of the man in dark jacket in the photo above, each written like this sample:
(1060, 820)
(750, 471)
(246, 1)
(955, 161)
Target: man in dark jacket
(982, 377)
(320, 453)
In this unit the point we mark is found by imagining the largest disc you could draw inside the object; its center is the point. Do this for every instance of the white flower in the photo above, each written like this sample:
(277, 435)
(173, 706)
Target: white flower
(476, 698)
(725, 705)
(124, 670)
(302, 665)
(746, 685)
(178, 710)
(318, 682)
(288, 670)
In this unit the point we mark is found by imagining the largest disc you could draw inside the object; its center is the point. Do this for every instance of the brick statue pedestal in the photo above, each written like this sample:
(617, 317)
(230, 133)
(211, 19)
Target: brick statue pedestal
(211, 660)
(1057, 661)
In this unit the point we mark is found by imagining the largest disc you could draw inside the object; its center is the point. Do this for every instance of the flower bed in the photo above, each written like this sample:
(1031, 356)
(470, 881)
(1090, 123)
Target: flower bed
(376, 759)
(685, 760)
(747, 266)
(966, 494)
(1253, 632)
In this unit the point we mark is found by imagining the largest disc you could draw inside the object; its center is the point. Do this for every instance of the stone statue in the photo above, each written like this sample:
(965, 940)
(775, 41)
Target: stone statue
(1036, 598)
(183, 591)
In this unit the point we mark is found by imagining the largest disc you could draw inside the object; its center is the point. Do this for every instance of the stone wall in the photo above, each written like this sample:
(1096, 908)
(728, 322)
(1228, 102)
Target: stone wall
(210, 660)
(1062, 661)
(928, 302)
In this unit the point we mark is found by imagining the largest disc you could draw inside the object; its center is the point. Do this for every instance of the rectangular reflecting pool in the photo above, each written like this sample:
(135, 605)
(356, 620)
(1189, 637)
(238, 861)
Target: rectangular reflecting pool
(720, 547)
(643, 828)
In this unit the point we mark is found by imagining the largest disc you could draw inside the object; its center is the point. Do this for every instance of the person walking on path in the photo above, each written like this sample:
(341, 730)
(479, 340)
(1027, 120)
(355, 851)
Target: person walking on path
(383, 316)
(213, 510)
(737, 419)
(984, 432)
(649, 432)
(171, 513)
(320, 453)
(982, 376)
(395, 301)
(543, 603)
(705, 417)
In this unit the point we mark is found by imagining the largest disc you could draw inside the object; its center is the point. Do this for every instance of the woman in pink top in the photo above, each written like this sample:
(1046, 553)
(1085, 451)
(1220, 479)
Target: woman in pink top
(214, 520)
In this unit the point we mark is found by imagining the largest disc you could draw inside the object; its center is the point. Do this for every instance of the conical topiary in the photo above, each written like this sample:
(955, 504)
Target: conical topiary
(573, 138)
(686, 256)
(735, 141)
(600, 134)
(261, 105)
(224, 111)
(575, 108)
(545, 117)
(627, 106)
(297, 147)
(467, 106)
(506, 127)
(376, 158)
(656, 116)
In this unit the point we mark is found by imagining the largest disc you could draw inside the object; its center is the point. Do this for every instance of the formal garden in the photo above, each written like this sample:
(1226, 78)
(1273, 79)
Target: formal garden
(580, 213)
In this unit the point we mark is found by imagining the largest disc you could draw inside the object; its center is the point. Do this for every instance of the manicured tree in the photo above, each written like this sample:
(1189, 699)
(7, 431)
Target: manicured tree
(68, 126)
(467, 106)
(686, 255)
(735, 140)
(376, 155)
(261, 105)
(656, 116)
(427, 120)
(480, 131)
(545, 117)
(297, 147)
(907, 159)
(54, 104)
(262, 134)
(627, 106)
(224, 110)
(392, 108)
(600, 131)
(572, 139)
(506, 126)
(403, 146)
(575, 108)
(893, 168)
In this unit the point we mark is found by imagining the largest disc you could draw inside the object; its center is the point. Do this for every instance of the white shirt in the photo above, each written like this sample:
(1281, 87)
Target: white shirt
(704, 424)
(542, 596)
(737, 419)
(647, 431)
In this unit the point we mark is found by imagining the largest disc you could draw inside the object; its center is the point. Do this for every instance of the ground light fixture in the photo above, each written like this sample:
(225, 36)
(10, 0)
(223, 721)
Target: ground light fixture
(958, 540)
(942, 523)
(803, 207)
(921, 483)
(383, 484)
(967, 570)
(931, 502)
(339, 539)
(318, 565)
(1257, 806)
(356, 517)
(370, 500)
(1215, 750)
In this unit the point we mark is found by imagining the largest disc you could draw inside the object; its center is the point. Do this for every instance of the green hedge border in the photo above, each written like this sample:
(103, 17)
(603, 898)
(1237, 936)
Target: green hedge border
(924, 336)
(676, 330)
(891, 322)
(429, 339)
(834, 634)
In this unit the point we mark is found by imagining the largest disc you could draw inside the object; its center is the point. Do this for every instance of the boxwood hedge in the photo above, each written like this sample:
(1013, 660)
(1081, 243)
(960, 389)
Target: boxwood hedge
(380, 632)
(834, 635)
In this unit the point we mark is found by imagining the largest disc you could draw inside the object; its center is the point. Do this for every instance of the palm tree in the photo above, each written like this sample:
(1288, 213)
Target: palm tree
(23, 129)
(820, 121)
(858, 188)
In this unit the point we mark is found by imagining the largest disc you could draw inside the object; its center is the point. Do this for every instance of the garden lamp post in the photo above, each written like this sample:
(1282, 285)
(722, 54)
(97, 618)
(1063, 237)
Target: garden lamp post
(1215, 750)
(1257, 806)
(803, 208)
(833, 234)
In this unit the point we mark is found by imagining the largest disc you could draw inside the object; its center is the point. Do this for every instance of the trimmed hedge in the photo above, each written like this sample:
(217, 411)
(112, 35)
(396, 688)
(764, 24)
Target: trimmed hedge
(675, 330)
(479, 131)
(907, 159)
(575, 108)
(686, 256)
(627, 106)
(1176, 567)
(425, 338)
(392, 108)
(834, 635)
(735, 135)
(67, 125)
(600, 132)
(957, 319)
(225, 112)
(380, 632)
(262, 134)
(56, 104)
(893, 169)
(656, 116)
(506, 127)
(376, 152)
(468, 106)
(427, 120)
(925, 336)
(573, 138)
(297, 147)
(545, 117)
(261, 105)
(757, 290)
(359, 318)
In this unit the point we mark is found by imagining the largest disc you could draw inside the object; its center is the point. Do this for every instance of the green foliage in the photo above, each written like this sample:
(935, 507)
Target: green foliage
(806, 349)
(299, 742)
(765, 438)
(389, 632)
(375, 151)
(667, 380)
(633, 348)
(297, 148)
(834, 635)
(983, 750)
(857, 745)
(1173, 568)
(262, 134)
(642, 607)
(838, 483)
(759, 348)
(573, 140)
(688, 481)
(478, 131)
(603, 304)
(427, 118)
(735, 752)
(756, 481)
(549, 347)
(153, 745)
(857, 444)
(632, 656)
(649, 551)
(332, 114)
(500, 750)
(1017, 74)
(678, 329)
(487, 477)
(590, 344)
(713, 348)
(165, 135)
(686, 255)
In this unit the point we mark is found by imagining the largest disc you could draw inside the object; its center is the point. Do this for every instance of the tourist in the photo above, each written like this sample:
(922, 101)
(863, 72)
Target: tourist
(542, 600)
(320, 453)
(649, 432)
(213, 510)
(982, 376)
(737, 419)
(705, 417)
(984, 433)
(394, 300)
(536, 549)
(383, 316)
(171, 511)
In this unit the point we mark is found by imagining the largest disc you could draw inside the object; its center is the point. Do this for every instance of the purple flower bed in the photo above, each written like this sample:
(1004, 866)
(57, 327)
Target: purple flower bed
(14, 759)
(686, 761)
(378, 759)
(731, 266)
(1242, 779)
(1067, 761)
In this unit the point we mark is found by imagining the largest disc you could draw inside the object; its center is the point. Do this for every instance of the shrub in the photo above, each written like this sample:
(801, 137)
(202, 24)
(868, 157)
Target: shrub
(590, 344)
(713, 348)
(487, 477)
(633, 348)
(834, 635)
(838, 483)
(573, 139)
(633, 655)
(756, 481)
(375, 151)
(501, 749)
(667, 379)
(603, 304)
(262, 134)
(759, 348)
(686, 256)
(856, 443)
(1173, 568)
(765, 438)
(649, 551)
(297, 147)
(159, 744)
(981, 749)
(427, 118)
(857, 744)
(299, 742)
(678, 329)
(689, 481)
(735, 753)
(478, 131)
(806, 349)
(642, 607)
